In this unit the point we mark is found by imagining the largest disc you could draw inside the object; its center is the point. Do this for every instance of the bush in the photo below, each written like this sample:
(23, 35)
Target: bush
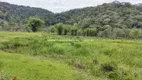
(135, 33)
(52, 29)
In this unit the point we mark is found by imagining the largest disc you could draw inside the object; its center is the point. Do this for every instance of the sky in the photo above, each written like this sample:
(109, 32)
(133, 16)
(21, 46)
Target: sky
(57, 6)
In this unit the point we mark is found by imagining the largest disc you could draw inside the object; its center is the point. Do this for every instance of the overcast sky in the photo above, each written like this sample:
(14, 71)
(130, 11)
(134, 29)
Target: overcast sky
(64, 5)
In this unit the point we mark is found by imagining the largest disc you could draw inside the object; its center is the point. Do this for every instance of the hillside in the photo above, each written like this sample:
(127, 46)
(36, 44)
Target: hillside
(115, 14)
(19, 14)
(111, 20)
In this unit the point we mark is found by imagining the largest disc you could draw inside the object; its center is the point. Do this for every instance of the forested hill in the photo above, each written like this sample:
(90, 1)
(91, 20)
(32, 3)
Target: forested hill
(19, 14)
(115, 14)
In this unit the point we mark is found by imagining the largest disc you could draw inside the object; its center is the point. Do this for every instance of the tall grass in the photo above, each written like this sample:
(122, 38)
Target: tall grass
(104, 58)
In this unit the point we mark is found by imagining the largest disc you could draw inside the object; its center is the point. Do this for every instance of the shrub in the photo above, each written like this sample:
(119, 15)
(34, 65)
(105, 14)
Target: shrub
(135, 33)
(52, 29)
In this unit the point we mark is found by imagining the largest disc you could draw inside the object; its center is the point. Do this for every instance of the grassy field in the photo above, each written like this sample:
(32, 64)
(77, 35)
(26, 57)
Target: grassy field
(41, 56)
(31, 68)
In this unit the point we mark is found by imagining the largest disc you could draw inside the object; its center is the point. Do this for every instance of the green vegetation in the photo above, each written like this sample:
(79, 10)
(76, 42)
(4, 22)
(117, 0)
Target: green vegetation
(96, 58)
(111, 20)
(20, 14)
(135, 33)
(35, 24)
(108, 32)
(71, 45)
(34, 68)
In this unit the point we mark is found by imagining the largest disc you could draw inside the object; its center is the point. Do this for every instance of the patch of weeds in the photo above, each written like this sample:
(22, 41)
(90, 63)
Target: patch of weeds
(108, 67)
(79, 64)
(12, 44)
(58, 49)
(1, 64)
(77, 45)
(127, 75)
(4, 44)
(121, 75)
(95, 68)
(114, 75)
(109, 51)
(3, 77)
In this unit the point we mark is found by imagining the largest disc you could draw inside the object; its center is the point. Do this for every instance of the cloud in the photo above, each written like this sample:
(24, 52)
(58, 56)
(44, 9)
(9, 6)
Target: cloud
(63, 5)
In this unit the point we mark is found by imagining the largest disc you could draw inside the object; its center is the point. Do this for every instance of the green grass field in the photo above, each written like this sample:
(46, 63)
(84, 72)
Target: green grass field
(42, 56)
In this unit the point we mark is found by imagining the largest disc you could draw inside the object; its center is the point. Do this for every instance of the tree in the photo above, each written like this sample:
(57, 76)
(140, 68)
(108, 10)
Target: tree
(79, 32)
(66, 29)
(127, 32)
(35, 23)
(106, 33)
(60, 28)
(135, 33)
(91, 31)
(74, 31)
(4, 25)
(117, 33)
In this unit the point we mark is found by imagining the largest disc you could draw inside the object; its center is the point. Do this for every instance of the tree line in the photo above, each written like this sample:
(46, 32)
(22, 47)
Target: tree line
(107, 32)
(113, 20)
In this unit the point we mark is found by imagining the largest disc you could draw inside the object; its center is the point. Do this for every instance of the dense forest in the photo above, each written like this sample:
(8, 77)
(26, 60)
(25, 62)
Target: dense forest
(114, 14)
(18, 15)
(116, 19)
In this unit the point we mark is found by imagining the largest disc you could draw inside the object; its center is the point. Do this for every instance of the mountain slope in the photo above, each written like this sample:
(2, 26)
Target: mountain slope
(115, 14)
(19, 14)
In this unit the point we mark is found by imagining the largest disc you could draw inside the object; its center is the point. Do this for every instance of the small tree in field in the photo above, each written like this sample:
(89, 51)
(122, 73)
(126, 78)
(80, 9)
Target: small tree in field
(35, 23)
(60, 28)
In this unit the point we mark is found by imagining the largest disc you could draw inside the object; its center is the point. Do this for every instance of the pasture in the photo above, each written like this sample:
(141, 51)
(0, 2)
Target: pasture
(43, 56)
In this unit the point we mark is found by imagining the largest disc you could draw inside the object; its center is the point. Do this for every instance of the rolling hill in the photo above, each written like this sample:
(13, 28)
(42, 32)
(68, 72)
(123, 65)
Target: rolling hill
(19, 14)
